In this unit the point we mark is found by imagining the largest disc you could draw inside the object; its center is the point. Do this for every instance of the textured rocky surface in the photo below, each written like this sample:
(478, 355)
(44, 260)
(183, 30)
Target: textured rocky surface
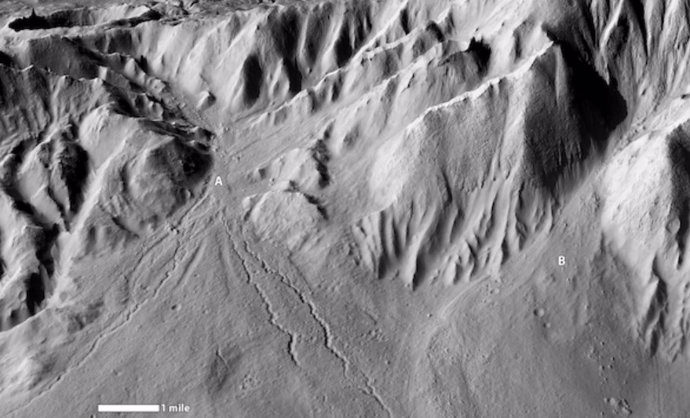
(345, 208)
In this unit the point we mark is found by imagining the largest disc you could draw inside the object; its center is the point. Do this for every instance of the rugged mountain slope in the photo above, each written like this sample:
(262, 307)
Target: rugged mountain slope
(345, 208)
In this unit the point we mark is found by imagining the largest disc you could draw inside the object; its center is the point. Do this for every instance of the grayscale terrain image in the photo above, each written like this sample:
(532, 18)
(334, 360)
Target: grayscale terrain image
(345, 208)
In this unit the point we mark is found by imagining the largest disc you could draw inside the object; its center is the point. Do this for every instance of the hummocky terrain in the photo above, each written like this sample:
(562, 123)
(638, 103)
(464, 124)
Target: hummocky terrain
(344, 208)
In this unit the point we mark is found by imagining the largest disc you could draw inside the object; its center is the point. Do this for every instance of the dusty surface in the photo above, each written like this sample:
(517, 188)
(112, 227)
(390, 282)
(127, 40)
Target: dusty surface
(345, 208)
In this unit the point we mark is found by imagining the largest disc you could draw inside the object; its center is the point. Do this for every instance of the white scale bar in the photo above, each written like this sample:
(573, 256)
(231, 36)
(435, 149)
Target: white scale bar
(129, 408)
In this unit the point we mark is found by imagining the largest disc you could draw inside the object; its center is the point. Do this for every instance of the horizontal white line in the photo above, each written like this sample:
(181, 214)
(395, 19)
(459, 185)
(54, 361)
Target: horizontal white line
(129, 408)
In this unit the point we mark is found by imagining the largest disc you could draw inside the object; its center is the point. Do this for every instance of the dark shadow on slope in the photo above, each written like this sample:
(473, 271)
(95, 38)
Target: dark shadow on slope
(285, 31)
(436, 31)
(71, 167)
(638, 12)
(38, 283)
(481, 52)
(353, 32)
(405, 20)
(253, 76)
(35, 293)
(570, 117)
(321, 156)
(679, 156)
(318, 27)
(33, 22)
(151, 15)
(343, 48)
(654, 325)
(6, 60)
(294, 76)
(74, 18)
